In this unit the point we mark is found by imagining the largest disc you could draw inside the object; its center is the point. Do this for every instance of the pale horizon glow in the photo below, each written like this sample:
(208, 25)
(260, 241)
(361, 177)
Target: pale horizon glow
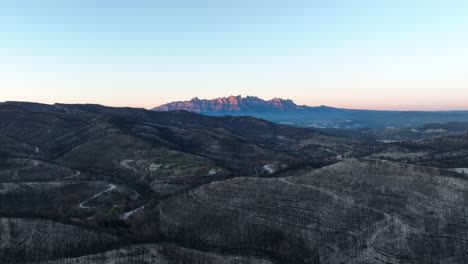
(363, 54)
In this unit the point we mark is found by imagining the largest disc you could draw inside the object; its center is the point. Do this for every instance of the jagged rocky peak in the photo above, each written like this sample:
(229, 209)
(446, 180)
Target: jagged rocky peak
(231, 104)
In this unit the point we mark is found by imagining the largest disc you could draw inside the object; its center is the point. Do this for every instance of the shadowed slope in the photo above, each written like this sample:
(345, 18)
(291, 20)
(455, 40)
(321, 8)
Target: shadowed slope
(352, 212)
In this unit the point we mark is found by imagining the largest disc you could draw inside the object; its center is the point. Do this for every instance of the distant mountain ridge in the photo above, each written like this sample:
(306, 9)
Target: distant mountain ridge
(287, 112)
(232, 104)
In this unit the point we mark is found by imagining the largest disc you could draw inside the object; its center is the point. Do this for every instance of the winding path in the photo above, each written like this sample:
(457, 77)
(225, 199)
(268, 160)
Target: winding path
(126, 215)
(77, 173)
(268, 168)
(111, 187)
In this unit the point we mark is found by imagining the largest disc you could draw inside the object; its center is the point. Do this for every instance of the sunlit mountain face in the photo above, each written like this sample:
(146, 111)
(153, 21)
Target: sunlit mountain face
(235, 104)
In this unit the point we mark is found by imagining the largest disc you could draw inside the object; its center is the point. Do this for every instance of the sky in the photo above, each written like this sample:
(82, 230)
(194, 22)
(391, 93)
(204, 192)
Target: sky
(386, 54)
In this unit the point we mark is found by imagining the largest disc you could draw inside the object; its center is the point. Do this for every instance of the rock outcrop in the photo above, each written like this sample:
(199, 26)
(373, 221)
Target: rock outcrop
(249, 104)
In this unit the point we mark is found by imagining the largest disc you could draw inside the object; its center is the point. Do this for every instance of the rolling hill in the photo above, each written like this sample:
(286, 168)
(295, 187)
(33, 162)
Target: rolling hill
(95, 184)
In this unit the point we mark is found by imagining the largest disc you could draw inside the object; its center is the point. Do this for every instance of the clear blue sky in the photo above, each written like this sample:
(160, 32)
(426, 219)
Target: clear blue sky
(381, 54)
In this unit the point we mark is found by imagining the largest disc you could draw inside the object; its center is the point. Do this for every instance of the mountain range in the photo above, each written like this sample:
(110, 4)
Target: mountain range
(232, 104)
(287, 112)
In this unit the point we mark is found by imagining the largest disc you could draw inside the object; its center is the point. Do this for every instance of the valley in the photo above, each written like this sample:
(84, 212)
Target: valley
(95, 184)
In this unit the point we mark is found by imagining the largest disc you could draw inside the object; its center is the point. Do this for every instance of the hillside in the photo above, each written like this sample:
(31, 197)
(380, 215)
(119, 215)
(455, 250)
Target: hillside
(350, 212)
(94, 184)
